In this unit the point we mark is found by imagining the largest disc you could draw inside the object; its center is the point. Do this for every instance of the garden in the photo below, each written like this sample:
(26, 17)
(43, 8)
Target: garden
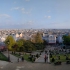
(62, 56)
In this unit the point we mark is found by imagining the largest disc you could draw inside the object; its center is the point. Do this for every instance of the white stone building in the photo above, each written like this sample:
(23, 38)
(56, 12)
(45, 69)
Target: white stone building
(59, 39)
(52, 39)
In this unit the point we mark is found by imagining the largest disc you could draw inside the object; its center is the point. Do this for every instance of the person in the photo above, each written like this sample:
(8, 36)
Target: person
(22, 58)
(37, 55)
(53, 59)
(45, 58)
(45, 52)
(67, 58)
(58, 57)
(19, 53)
(18, 59)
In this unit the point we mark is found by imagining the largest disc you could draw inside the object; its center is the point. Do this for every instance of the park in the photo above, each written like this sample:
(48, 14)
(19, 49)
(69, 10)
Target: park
(25, 54)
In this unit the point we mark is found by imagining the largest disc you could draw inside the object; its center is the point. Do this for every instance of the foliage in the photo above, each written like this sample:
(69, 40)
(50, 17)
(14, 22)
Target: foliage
(9, 42)
(38, 38)
(14, 48)
(26, 57)
(39, 46)
(66, 40)
(38, 41)
(29, 46)
(24, 45)
(62, 57)
(20, 44)
(17, 55)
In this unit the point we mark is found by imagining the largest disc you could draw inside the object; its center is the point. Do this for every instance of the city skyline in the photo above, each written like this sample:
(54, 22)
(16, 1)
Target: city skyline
(37, 14)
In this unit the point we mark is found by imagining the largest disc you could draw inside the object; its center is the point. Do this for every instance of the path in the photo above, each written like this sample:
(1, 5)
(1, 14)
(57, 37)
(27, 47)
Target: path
(41, 58)
(12, 57)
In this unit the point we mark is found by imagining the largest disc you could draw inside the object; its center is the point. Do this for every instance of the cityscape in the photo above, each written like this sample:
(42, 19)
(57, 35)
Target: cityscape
(34, 35)
(27, 34)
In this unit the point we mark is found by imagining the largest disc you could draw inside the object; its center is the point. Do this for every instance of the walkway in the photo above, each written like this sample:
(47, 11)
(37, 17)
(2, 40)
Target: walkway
(3, 64)
(12, 57)
(41, 58)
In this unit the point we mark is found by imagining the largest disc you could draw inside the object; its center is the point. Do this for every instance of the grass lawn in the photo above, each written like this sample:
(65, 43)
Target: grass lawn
(25, 56)
(3, 57)
(62, 57)
(17, 55)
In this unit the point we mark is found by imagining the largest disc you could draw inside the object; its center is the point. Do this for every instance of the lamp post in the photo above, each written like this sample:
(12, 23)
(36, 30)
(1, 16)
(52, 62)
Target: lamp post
(48, 57)
(8, 52)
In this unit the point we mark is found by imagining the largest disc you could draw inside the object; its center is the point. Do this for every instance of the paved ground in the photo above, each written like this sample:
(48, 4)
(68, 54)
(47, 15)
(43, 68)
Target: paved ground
(35, 66)
(3, 63)
(41, 58)
(31, 66)
(12, 58)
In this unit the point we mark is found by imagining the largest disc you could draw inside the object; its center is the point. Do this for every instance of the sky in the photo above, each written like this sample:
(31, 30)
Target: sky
(35, 14)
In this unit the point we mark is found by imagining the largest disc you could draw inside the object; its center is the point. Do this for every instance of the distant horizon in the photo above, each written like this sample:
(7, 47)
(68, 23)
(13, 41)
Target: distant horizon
(37, 14)
(37, 28)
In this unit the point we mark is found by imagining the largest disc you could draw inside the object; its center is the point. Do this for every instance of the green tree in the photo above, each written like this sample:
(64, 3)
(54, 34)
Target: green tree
(14, 48)
(66, 40)
(10, 42)
(38, 38)
(29, 46)
(38, 41)
(20, 44)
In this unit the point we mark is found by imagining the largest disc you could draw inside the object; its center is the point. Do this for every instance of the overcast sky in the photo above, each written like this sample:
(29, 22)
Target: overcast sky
(34, 14)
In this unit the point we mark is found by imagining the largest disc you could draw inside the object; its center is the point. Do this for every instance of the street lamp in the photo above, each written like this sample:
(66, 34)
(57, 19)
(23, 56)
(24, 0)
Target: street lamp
(8, 52)
(48, 56)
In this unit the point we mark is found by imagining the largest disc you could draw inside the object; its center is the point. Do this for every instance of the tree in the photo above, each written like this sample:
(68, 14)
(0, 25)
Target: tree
(29, 46)
(38, 38)
(66, 40)
(38, 41)
(10, 42)
(20, 44)
(14, 48)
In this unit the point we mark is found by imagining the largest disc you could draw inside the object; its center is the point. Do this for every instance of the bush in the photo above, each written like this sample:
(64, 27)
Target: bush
(58, 63)
(68, 62)
(30, 58)
(33, 60)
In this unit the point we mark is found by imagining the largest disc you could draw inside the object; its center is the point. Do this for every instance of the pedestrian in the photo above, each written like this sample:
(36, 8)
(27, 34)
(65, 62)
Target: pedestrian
(19, 53)
(45, 58)
(53, 59)
(37, 55)
(58, 57)
(22, 58)
(45, 52)
(18, 59)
